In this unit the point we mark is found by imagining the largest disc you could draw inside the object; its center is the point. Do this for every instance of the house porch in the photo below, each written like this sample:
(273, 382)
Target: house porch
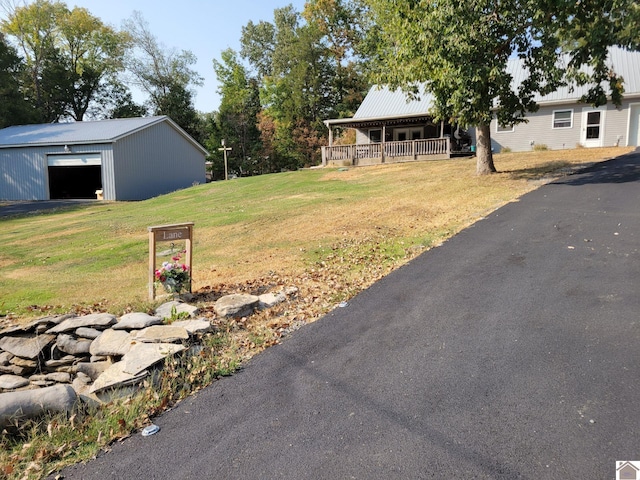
(394, 140)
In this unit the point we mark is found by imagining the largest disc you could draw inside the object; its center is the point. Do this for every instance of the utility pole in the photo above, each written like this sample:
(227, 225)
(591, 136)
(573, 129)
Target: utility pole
(225, 150)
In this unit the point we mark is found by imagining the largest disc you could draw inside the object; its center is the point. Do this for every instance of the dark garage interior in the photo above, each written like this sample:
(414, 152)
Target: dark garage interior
(74, 182)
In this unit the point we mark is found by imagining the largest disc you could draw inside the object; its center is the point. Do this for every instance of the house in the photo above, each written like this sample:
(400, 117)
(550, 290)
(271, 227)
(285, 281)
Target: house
(389, 128)
(627, 471)
(121, 159)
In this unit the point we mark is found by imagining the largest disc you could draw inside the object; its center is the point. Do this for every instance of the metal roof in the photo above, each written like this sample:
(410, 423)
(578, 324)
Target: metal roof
(381, 102)
(75, 133)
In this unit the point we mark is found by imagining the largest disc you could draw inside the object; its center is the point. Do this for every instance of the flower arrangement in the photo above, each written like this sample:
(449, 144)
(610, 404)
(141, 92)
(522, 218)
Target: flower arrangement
(173, 276)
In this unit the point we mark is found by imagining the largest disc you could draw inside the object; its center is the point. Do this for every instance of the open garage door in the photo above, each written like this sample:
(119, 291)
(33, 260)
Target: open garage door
(74, 176)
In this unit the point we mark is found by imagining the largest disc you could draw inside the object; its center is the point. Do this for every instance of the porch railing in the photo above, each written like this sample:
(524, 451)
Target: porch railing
(410, 148)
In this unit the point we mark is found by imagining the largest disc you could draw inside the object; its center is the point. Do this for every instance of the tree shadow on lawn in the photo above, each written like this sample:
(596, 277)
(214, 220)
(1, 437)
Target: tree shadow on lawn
(553, 168)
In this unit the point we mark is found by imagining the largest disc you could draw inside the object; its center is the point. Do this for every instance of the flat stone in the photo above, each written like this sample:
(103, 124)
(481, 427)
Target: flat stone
(15, 370)
(144, 355)
(291, 291)
(5, 358)
(26, 347)
(43, 383)
(92, 369)
(73, 346)
(269, 300)
(86, 379)
(162, 334)
(67, 369)
(136, 321)
(58, 377)
(32, 403)
(10, 382)
(82, 391)
(24, 362)
(34, 325)
(115, 377)
(193, 326)
(95, 320)
(37, 378)
(166, 309)
(87, 332)
(66, 360)
(111, 343)
(236, 305)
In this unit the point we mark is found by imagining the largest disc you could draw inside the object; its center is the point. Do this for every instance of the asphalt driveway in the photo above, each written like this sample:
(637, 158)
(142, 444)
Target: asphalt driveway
(511, 352)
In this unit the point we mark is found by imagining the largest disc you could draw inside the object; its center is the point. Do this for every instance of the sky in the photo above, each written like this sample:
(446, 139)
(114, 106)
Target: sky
(205, 27)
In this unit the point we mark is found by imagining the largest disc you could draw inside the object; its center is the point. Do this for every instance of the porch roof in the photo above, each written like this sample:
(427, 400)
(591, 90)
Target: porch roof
(377, 121)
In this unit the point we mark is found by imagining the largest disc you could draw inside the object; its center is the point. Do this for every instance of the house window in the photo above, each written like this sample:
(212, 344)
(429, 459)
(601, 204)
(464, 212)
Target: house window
(563, 118)
(375, 136)
(593, 125)
(505, 129)
(404, 134)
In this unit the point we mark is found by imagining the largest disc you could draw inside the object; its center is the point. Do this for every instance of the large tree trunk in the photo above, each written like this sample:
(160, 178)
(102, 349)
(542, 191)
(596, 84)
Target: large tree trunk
(484, 156)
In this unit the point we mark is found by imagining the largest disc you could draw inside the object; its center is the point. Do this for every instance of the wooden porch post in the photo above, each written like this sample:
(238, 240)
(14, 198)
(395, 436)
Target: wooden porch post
(384, 136)
(441, 128)
(330, 136)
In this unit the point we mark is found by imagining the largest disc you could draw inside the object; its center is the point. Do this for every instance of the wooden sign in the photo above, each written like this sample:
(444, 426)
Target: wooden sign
(175, 233)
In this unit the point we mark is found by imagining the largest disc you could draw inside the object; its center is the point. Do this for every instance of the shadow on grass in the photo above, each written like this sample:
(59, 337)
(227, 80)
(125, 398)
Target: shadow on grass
(541, 171)
(40, 207)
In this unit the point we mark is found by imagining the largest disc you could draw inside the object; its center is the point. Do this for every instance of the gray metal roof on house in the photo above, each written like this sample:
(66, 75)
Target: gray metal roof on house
(384, 102)
(381, 102)
(76, 133)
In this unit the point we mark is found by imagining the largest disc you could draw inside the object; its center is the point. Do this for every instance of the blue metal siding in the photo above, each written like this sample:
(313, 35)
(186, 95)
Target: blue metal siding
(154, 161)
(24, 174)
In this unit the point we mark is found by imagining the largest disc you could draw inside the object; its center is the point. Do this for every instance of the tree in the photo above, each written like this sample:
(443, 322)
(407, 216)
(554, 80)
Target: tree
(71, 56)
(295, 85)
(459, 52)
(342, 25)
(237, 115)
(165, 74)
(121, 104)
(177, 103)
(14, 109)
(93, 54)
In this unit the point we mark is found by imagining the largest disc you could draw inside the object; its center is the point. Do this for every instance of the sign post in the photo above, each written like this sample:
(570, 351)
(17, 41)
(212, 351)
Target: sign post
(175, 233)
(225, 149)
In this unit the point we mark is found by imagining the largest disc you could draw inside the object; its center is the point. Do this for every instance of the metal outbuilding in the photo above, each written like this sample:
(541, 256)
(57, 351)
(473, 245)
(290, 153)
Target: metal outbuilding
(126, 159)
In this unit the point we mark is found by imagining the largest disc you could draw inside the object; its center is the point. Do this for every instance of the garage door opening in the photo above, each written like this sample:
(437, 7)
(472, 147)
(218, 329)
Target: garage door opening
(74, 182)
(74, 176)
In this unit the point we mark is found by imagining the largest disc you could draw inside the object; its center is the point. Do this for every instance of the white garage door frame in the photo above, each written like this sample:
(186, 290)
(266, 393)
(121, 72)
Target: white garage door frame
(633, 133)
(74, 160)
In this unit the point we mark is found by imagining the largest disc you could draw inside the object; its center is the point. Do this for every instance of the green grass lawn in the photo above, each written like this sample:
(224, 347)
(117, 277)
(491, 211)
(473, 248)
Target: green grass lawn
(96, 256)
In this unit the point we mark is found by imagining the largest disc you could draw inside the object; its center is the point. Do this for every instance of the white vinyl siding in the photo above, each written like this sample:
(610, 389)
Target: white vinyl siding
(539, 129)
(563, 119)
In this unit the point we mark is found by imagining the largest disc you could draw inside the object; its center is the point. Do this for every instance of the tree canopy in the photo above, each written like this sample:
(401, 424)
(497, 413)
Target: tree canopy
(14, 109)
(459, 52)
(71, 56)
(165, 74)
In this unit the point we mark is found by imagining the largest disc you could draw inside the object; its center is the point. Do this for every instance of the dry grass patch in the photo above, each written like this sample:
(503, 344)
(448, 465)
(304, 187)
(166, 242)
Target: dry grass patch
(249, 229)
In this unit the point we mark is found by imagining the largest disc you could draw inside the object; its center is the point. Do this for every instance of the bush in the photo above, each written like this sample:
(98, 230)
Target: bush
(540, 147)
